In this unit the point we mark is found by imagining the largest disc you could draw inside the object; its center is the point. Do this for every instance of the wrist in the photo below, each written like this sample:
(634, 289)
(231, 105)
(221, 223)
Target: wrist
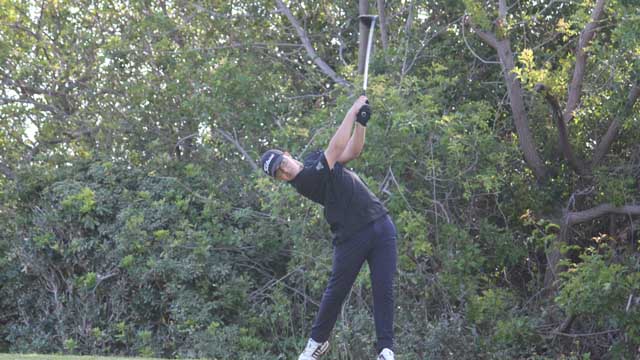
(353, 113)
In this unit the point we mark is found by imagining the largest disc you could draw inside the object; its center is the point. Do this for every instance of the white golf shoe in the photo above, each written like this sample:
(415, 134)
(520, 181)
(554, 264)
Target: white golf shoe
(314, 350)
(386, 354)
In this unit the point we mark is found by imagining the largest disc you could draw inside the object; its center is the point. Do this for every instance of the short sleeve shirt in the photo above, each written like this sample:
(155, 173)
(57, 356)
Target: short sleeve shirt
(348, 203)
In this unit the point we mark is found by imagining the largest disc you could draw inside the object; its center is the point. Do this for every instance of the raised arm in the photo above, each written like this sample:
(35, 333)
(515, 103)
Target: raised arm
(340, 139)
(355, 145)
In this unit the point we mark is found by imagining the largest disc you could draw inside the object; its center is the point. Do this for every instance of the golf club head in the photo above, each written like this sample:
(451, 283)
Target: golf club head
(367, 19)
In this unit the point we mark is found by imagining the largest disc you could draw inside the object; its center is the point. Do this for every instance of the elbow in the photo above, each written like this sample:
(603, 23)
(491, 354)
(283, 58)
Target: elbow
(354, 154)
(358, 150)
(337, 147)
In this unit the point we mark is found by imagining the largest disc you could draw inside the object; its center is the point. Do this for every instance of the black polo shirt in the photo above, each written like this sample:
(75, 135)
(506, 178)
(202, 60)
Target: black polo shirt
(348, 203)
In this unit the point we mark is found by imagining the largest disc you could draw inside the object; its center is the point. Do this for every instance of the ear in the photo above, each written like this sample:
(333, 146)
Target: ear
(287, 153)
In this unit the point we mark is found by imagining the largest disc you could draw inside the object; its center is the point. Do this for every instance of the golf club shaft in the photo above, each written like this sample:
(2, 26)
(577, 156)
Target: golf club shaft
(366, 64)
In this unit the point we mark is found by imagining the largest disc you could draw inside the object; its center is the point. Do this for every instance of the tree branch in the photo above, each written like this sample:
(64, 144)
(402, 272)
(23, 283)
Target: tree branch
(487, 37)
(215, 15)
(326, 69)
(612, 132)
(565, 145)
(578, 217)
(238, 146)
(70, 135)
(473, 52)
(180, 141)
(426, 41)
(575, 88)
(565, 325)
(583, 335)
(27, 89)
(407, 31)
(37, 105)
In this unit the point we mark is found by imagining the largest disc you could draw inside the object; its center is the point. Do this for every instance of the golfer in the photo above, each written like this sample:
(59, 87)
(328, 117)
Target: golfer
(362, 229)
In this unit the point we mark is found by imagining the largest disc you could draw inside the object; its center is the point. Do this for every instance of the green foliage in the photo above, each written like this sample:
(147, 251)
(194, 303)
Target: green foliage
(448, 338)
(509, 333)
(413, 230)
(598, 288)
(14, 356)
(594, 287)
(502, 249)
(543, 231)
(516, 335)
(617, 190)
(478, 12)
(83, 202)
(70, 345)
(132, 222)
(530, 74)
(462, 261)
(489, 307)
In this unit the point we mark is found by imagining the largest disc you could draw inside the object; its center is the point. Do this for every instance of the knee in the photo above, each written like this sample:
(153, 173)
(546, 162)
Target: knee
(336, 291)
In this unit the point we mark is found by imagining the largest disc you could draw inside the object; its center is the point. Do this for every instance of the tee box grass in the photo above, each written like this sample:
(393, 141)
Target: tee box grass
(64, 357)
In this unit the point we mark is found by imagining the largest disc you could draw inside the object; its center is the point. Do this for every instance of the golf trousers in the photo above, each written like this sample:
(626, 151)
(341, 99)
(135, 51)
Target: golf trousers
(375, 243)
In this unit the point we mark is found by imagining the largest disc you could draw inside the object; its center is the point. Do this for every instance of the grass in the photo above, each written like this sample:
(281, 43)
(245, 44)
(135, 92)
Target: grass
(62, 357)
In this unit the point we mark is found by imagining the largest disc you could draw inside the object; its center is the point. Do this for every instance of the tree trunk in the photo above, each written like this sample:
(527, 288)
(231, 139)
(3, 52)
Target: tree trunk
(553, 258)
(516, 100)
(572, 218)
(384, 37)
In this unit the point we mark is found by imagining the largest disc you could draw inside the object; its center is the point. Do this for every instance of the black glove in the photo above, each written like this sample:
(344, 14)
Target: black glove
(364, 114)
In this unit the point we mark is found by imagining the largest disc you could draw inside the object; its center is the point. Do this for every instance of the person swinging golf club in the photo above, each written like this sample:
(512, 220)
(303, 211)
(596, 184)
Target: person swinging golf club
(361, 226)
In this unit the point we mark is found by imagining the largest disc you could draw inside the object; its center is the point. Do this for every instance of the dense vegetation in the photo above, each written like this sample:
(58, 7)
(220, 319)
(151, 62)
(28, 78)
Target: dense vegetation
(134, 219)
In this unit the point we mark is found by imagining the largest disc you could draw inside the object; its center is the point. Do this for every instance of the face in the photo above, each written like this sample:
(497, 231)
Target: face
(289, 168)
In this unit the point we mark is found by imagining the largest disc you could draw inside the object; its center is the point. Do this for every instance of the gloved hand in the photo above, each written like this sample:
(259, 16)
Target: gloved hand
(364, 110)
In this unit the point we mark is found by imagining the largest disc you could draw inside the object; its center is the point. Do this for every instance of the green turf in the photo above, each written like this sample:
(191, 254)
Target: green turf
(62, 357)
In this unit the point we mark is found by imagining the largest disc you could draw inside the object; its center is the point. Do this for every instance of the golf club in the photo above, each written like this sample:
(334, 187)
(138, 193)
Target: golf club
(365, 111)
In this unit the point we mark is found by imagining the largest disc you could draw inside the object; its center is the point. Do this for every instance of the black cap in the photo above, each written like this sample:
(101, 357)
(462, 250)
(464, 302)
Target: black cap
(271, 160)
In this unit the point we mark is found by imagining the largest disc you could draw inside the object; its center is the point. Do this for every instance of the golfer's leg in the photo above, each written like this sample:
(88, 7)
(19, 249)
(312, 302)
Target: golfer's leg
(382, 263)
(347, 261)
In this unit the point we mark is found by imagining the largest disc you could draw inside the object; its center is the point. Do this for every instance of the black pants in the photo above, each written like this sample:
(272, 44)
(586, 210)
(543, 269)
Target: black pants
(375, 243)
